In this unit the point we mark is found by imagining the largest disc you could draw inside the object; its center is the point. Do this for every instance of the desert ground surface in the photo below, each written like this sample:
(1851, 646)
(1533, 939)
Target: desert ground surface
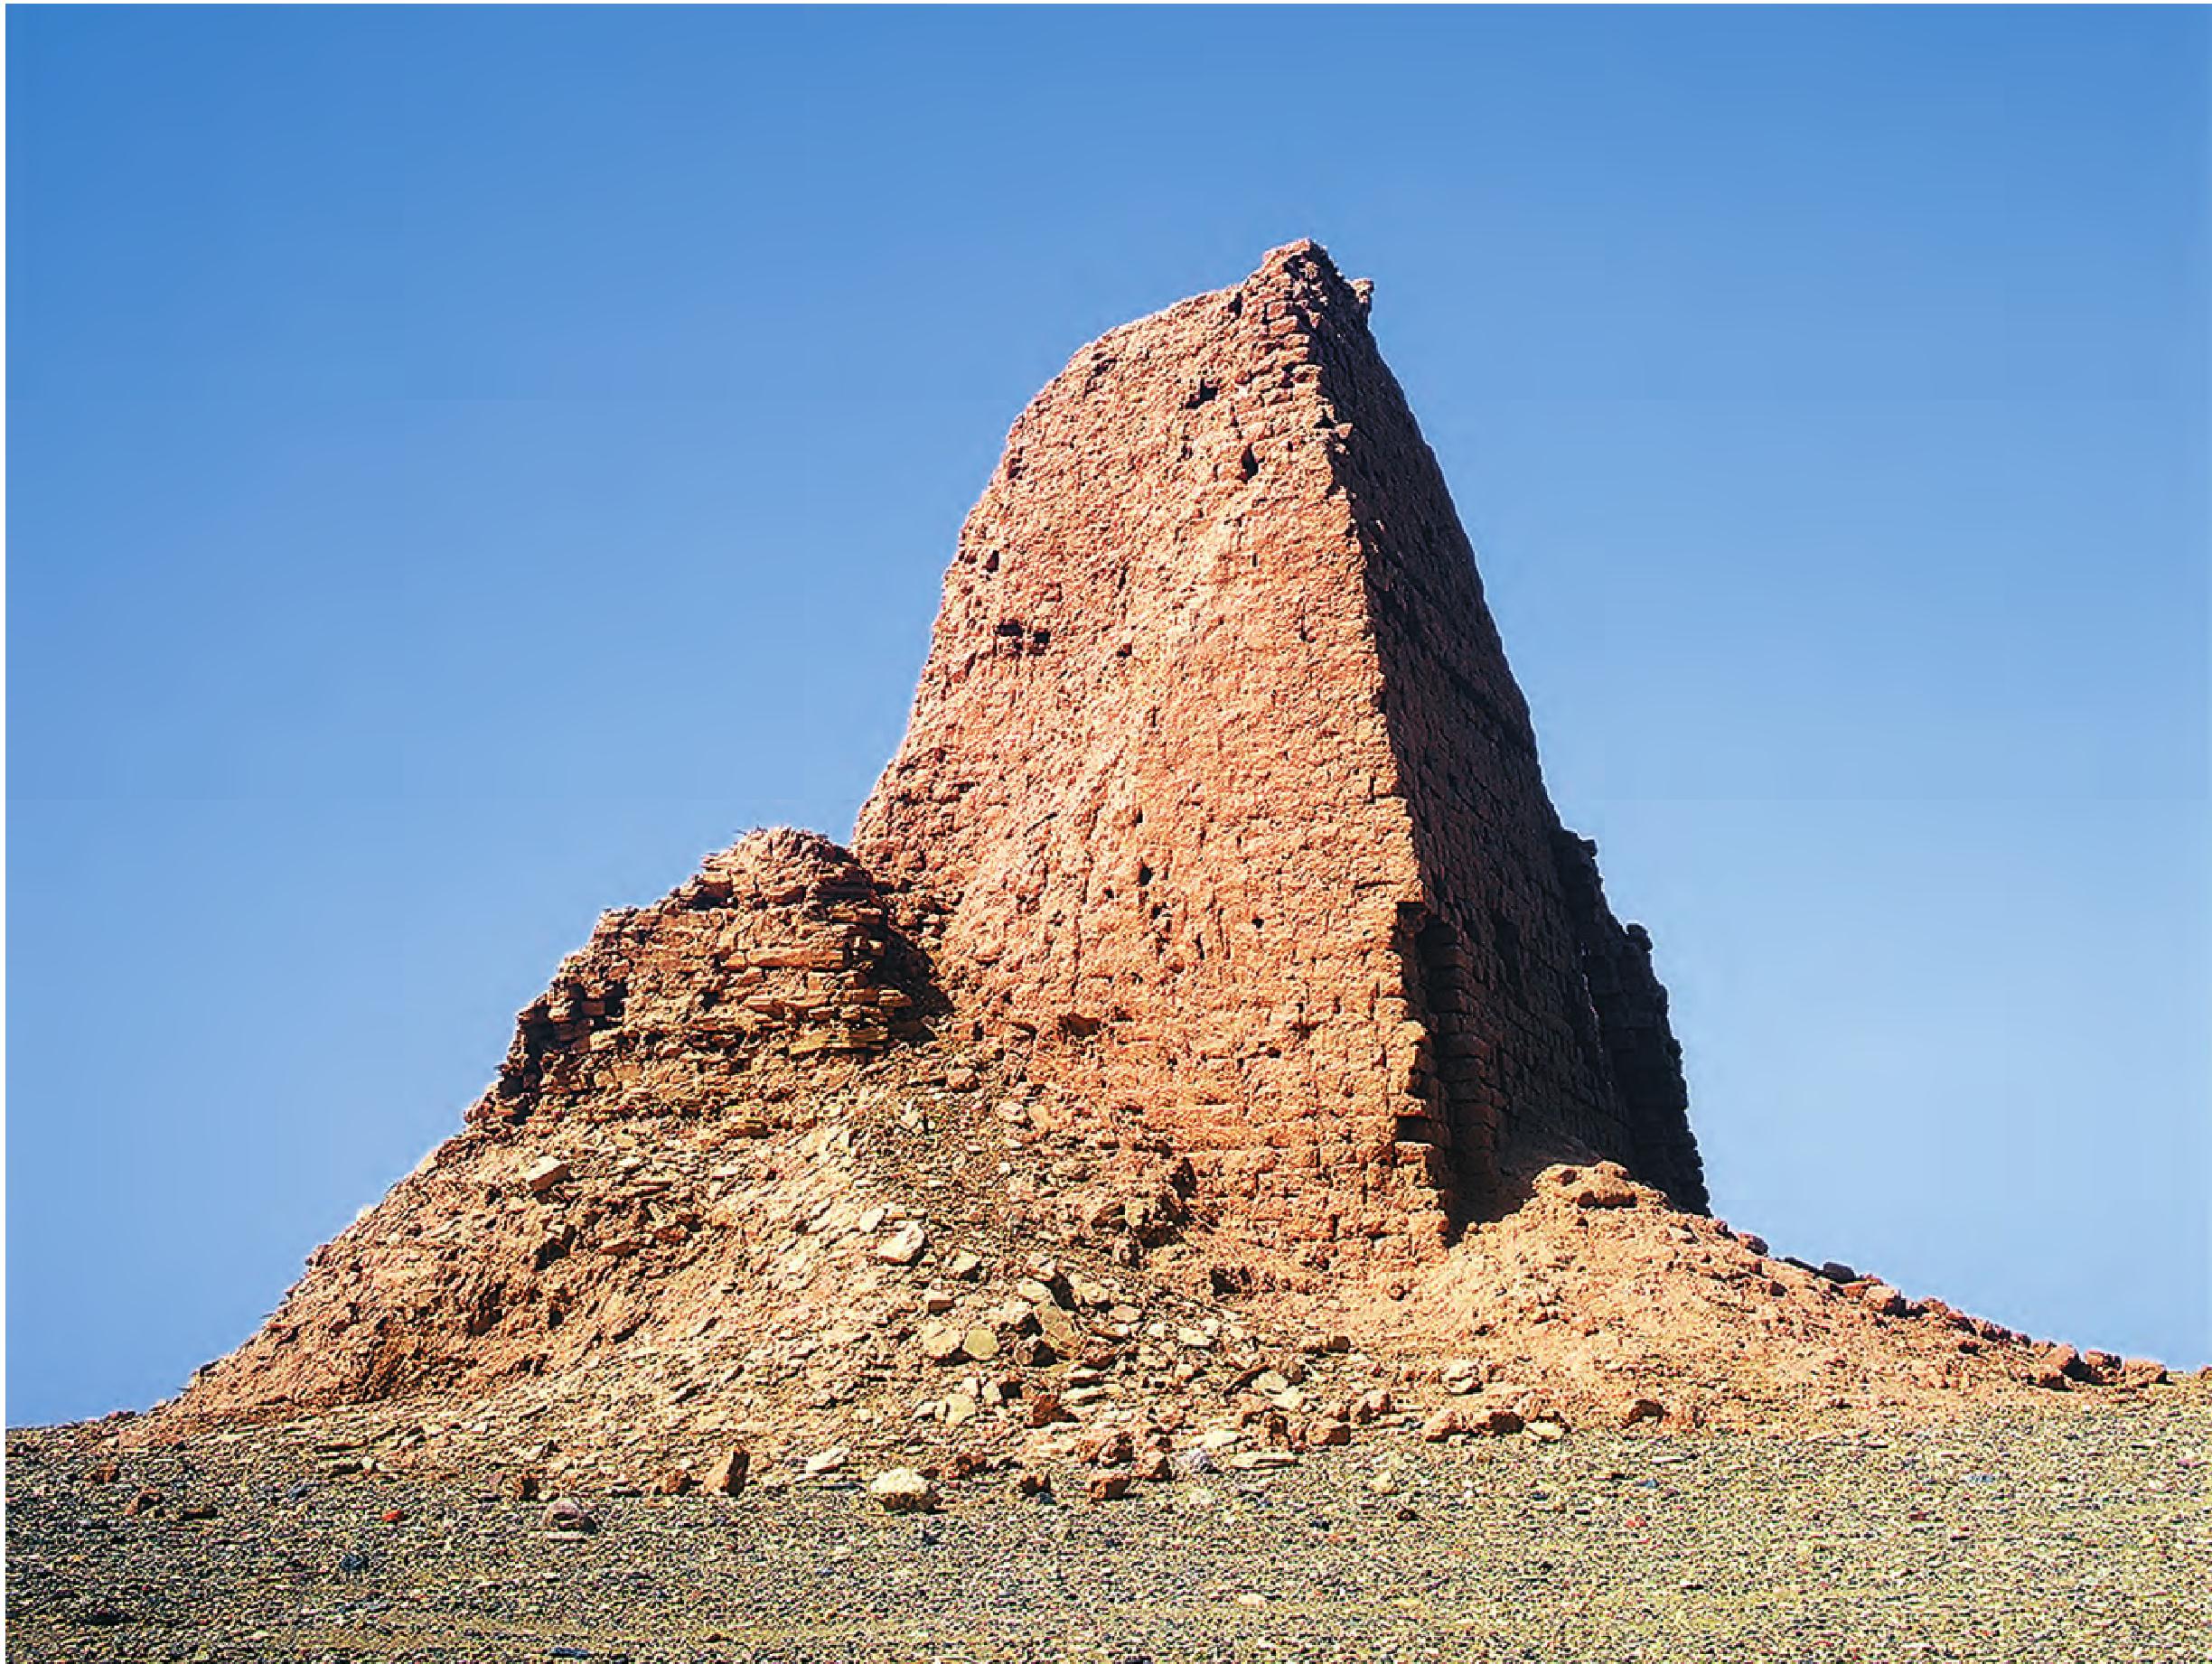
(2068, 1533)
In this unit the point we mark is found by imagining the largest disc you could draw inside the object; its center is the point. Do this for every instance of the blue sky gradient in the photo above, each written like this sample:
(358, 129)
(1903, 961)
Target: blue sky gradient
(466, 463)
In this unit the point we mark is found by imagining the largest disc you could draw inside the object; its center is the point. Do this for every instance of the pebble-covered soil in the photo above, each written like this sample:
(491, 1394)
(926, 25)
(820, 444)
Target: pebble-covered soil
(2004, 1536)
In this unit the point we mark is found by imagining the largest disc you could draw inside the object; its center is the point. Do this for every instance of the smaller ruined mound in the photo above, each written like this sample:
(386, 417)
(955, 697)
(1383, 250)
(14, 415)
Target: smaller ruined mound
(778, 950)
(1599, 1294)
(676, 1028)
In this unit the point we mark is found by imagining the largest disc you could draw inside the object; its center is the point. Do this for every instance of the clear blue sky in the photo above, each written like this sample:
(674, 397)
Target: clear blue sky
(465, 464)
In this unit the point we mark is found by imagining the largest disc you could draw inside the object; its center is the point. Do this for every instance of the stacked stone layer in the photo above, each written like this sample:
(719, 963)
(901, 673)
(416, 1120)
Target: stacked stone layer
(778, 949)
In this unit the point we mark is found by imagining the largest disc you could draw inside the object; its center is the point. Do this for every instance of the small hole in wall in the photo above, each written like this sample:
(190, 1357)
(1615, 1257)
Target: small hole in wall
(1248, 464)
(1144, 874)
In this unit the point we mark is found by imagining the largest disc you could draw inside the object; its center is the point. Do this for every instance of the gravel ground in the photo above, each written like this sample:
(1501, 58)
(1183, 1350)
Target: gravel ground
(2059, 1536)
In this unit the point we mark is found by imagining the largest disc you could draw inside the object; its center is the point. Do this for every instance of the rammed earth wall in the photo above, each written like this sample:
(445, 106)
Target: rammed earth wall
(1220, 797)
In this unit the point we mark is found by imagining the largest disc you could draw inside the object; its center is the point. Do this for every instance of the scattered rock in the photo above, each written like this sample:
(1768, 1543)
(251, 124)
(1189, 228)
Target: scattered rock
(1604, 1185)
(1109, 1447)
(1042, 1409)
(566, 1517)
(726, 1477)
(902, 1491)
(966, 1463)
(1883, 1300)
(1452, 1420)
(543, 1175)
(2141, 1372)
(903, 1246)
(1371, 1406)
(2056, 1366)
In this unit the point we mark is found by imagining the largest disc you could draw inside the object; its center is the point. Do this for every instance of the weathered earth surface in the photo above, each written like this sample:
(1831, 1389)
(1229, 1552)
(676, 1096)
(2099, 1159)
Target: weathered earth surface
(1220, 801)
(2085, 1535)
(788, 1289)
(1212, 1071)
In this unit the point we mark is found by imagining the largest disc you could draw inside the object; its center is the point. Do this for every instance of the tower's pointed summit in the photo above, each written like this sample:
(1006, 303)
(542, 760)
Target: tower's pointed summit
(1220, 802)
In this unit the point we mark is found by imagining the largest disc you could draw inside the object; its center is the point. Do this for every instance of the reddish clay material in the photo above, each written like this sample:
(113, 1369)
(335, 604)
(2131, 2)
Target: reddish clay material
(1219, 797)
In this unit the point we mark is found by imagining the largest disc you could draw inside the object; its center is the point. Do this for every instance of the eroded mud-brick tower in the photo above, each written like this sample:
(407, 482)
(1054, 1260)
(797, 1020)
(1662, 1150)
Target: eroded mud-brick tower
(1214, 891)
(1220, 801)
